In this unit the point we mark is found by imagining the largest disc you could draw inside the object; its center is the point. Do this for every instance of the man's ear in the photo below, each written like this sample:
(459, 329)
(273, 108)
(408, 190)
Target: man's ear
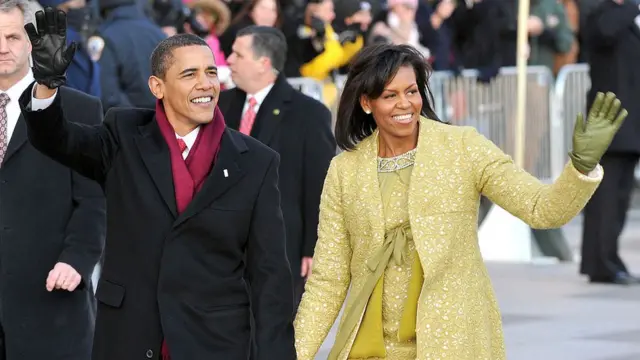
(156, 85)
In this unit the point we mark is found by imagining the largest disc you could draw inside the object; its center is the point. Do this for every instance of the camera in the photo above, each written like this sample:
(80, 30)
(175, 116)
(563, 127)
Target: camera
(175, 13)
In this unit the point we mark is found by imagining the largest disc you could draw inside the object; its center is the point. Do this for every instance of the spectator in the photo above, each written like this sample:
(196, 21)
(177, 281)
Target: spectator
(331, 53)
(398, 25)
(215, 16)
(476, 37)
(436, 32)
(130, 38)
(53, 219)
(353, 18)
(255, 12)
(550, 34)
(573, 21)
(613, 48)
(298, 127)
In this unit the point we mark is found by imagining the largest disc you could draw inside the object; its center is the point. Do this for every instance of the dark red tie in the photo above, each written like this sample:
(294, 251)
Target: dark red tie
(182, 145)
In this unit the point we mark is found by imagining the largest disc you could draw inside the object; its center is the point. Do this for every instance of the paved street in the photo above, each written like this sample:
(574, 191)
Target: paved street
(551, 313)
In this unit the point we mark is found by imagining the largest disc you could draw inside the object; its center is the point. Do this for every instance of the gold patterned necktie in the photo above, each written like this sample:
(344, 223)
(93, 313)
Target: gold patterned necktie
(4, 138)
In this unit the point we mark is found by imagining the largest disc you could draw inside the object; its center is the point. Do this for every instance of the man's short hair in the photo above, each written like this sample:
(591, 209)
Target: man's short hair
(267, 41)
(22, 5)
(162, 56)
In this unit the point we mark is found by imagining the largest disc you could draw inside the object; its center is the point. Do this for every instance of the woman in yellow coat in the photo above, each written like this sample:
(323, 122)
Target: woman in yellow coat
(398, 219)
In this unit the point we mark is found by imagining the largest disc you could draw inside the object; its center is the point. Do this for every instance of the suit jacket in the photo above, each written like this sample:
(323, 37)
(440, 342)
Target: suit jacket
(49, 214)
(298, 127)
(458, 317)
(180, 277)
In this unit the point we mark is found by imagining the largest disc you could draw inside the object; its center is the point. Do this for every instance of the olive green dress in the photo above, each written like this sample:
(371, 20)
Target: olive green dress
(393, 176)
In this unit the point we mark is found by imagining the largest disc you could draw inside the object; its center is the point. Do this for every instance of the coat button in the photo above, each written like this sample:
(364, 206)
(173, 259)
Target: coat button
(149, 354)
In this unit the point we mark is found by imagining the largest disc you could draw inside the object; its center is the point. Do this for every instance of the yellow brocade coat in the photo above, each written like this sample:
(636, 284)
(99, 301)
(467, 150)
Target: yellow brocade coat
(458, 316)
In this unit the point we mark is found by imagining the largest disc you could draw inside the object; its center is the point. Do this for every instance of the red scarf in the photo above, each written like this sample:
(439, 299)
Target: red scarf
(190, 174)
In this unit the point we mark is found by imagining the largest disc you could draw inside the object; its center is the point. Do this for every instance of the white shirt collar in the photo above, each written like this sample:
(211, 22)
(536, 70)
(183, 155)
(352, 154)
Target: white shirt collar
(189, 139)
(261, 94)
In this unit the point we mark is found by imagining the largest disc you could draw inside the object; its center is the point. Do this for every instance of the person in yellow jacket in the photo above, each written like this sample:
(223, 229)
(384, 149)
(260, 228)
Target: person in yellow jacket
(336, 50)
(397, 234)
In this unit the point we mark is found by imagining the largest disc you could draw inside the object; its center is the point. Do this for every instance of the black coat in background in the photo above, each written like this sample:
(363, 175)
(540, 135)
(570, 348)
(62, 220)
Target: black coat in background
(180, 277)
(298, 127)
(613, 44)
(48, 214)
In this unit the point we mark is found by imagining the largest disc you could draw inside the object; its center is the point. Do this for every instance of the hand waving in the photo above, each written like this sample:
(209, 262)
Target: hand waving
(592, 139)
(50, 53)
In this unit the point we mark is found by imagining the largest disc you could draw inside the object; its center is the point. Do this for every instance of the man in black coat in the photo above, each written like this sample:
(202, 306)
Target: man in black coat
(52, 221)
(298, 127)
(193, 208)
(613, 52)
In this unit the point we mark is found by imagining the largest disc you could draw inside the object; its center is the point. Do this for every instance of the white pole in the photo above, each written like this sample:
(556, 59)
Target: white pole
(502, 236)
(521, 64)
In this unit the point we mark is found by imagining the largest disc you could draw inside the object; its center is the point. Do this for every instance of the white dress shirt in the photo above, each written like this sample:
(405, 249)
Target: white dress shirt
(189, 139)
(259, 96)
(13, 107)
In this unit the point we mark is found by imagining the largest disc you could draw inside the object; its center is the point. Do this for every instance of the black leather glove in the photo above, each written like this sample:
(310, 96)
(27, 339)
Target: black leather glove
(50, 54)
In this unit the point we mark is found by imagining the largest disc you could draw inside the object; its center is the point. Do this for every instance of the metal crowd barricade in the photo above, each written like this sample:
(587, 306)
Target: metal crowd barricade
(308, 86)
(491, 109)
(570, 98)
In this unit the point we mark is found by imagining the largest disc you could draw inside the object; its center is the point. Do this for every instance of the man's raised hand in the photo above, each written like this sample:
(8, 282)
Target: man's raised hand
(50, 54)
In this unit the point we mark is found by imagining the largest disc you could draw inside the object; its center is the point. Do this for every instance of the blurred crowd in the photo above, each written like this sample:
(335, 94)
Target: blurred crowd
(322, 36)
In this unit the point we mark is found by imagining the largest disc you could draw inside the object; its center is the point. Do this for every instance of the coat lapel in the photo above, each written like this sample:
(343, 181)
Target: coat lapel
(18, 138)
(226, 172)
(272, 110)
(372, 195)
(232, 110)
(155, 155)
(429, 180)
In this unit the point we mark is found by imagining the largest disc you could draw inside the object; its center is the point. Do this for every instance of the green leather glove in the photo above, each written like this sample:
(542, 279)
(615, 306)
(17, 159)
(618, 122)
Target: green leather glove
(592, 139)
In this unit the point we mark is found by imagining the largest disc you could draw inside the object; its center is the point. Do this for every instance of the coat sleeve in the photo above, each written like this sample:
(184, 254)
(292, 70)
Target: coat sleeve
(86, 149)
(269, 274)
(541, 206)
(327, 286)
(86, 228)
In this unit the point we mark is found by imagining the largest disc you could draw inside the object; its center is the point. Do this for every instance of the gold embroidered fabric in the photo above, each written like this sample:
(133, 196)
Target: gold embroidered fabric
(458, 316)
(387, 329)
(394, 187)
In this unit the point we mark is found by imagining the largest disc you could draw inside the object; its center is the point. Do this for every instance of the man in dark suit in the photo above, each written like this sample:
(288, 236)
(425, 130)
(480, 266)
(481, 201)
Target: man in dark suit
(193, 207)
(52, 221)
(298, 127)
(613, 52)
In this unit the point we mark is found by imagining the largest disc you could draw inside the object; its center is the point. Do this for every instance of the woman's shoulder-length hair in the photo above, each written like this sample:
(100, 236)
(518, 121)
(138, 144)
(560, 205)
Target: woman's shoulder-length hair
(370, 71)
